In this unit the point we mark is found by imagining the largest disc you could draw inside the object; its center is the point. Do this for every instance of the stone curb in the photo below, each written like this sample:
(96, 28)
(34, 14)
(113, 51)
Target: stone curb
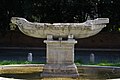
(21, 65)
(2, 78)
(41, 65)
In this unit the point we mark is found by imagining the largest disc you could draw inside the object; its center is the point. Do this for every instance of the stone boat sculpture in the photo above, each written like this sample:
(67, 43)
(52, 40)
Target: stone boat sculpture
(78, 30)
(60, 53)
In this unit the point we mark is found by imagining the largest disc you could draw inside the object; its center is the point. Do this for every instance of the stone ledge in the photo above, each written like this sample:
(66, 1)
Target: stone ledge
(2, 78)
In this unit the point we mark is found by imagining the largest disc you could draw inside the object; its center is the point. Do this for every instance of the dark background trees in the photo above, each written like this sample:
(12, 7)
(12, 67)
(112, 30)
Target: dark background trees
(52, 11)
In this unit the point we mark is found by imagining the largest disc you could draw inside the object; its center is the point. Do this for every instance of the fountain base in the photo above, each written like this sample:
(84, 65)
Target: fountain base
(60, 59)
(60, 70)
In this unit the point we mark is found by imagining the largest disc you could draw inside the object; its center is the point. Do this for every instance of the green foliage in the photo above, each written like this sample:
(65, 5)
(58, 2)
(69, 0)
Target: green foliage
(5, 62)
(91, 63)
(109, 64)
(78, 62)
(104, 61)
(60, 11)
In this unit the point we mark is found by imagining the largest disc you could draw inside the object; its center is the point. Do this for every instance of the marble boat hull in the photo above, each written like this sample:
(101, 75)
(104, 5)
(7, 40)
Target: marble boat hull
(79, 30)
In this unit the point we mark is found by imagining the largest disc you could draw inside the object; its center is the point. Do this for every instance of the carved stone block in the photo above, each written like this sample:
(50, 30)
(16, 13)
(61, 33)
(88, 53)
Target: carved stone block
(60, 59)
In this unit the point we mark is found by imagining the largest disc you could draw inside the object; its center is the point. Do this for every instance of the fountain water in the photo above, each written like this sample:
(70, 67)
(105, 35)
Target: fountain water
(60, 53)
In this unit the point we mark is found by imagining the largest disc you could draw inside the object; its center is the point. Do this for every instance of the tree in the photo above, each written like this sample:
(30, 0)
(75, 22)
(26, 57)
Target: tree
(52, 11)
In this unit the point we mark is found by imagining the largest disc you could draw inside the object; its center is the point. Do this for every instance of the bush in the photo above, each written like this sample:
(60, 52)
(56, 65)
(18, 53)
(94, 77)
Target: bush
(78, 62)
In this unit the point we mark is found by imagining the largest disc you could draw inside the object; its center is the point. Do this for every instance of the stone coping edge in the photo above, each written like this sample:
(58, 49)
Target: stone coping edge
(41, 65)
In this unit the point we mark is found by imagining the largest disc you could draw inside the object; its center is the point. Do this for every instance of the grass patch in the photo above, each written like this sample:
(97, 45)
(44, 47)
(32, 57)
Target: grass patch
(109, 64)
(5, 62)
(102, 63)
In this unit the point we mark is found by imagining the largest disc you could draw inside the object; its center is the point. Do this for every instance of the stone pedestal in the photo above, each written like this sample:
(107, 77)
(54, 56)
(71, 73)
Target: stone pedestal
(60, 59)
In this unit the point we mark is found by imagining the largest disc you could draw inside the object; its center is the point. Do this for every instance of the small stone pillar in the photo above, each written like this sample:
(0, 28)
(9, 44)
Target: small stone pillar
(60, 59)
(30, 57)
(92, 58)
